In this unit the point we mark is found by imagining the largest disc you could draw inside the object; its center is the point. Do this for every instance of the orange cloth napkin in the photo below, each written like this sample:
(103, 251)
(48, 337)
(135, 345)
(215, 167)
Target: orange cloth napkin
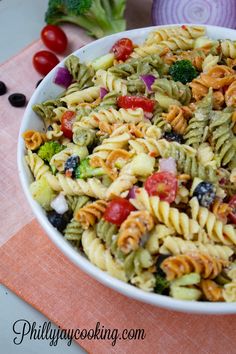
(38, 272)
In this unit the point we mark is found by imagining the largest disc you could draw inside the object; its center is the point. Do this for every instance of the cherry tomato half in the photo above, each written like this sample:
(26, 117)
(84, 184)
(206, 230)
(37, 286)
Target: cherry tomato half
(163, 184)
(123, 48)
(67, 120)
(232, 205)
(44, 61)
(136, 102)
(54, 38)
(118, 210)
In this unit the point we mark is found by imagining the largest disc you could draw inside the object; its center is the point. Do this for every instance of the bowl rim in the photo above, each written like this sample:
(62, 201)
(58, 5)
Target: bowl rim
(65, 247)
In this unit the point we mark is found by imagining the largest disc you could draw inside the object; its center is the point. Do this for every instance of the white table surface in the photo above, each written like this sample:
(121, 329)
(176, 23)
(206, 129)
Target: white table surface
(20, 24)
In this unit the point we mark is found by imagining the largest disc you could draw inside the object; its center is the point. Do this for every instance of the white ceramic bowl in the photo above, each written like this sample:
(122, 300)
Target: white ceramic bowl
(47, 90)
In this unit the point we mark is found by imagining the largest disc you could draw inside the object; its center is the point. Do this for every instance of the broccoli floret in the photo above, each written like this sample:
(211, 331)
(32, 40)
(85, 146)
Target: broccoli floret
(183, 71)
(48, 149)
(161, 284)
(99, 17)
(84, 170)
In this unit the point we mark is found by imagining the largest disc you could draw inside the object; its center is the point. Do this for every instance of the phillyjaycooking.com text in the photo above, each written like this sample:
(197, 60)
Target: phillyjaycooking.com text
(25, 329)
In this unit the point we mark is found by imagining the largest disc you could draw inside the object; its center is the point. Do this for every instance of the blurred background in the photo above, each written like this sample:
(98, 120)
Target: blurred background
(22, 20)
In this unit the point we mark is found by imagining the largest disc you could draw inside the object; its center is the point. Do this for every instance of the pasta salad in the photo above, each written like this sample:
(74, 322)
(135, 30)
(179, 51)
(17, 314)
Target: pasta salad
(136, 165)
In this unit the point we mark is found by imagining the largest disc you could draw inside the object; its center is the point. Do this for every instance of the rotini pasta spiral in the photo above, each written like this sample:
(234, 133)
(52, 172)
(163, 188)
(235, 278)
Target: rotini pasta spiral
(73, 231)
(133, 228)
(145, 281)
(36, 165)
(54, 132)
(147, 145)
(100, 256)
(202, 263)
(209, 62)
(165, 33)
(106, 231)
(228, 48)
(111, 144)
(76, 202)
(87, 95)
(211, 290)
(229, 292)
(146, 50)
(45, 110)
(217, 231)
(108, 101)
(186, 160)
(164, 213)
(93, 187)
(90, 213)
(33, 139)
(150, 64)
(121, 185)
(176, 245)
(83, 137)
(173, 89)
(196, 131)
(110, 82)
(111, 116)
(177, 118)
(230, 94)
(205, 155)
(223, 139)
(81, 73)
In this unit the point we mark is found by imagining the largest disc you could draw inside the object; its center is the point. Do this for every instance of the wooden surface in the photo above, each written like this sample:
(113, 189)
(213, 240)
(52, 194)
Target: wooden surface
(138, 13)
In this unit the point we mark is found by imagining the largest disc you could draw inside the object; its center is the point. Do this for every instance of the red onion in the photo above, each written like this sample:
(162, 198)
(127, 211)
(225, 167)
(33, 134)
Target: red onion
(148, 115)
(217, 12)
(148, 80)
(131, 194)
(168, 165)
(103, 92)
(63, 77)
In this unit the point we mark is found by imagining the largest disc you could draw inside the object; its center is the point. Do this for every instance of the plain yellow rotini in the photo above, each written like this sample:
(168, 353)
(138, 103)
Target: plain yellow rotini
(216, 229)
(100, 256)
(87, 95)
(176, 245)
(106, 79)
(164, 213)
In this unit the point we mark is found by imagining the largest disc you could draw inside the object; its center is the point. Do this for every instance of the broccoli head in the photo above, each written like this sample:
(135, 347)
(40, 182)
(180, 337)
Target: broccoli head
(183, 71)
(48, 149)
(99, 17)
(161, 284)
(84, 170)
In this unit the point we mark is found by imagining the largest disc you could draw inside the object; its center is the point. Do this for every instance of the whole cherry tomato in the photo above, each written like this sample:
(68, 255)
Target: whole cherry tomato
(54, 38)
(44, 61)
(122, 49)
(136, 102)
(118, 210)
(232, 205)
(67, 120)
(163, 184)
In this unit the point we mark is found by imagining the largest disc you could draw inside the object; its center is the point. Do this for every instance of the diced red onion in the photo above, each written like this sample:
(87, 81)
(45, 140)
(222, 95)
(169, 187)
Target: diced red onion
(63, 77)
(148, 80)
(223, 181)
(217, 12)
(148, 115)
(103, 92)
(168, 165)
(59, 204)
(131, 194)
